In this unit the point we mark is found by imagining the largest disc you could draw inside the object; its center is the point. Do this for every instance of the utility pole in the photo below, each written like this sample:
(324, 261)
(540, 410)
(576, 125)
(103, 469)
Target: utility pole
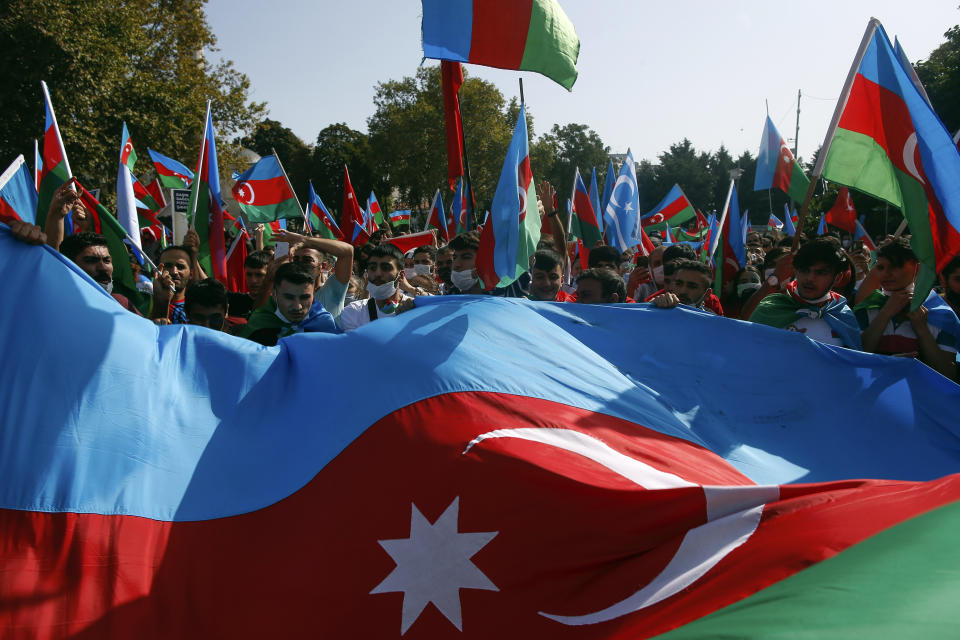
(796, 135)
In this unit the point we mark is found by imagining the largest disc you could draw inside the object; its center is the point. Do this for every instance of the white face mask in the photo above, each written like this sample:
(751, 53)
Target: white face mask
(381, 291)
(348, 298)
(768, 272)
(463, 280)
(657, 274)
(422, 269)
(410, 273)
(109, 287)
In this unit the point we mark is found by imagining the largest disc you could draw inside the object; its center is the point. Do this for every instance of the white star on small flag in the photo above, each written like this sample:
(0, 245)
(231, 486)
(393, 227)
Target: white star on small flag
(433, 564)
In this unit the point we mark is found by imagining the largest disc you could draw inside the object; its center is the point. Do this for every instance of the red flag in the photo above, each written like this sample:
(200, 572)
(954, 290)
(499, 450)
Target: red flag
(412, 240)
(842, 214)
(352, 221)
(236, 278)
(155, 190)
(452, 78)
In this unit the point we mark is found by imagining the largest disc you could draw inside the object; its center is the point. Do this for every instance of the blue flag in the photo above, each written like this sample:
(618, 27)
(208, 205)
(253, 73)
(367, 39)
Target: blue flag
(622, 215)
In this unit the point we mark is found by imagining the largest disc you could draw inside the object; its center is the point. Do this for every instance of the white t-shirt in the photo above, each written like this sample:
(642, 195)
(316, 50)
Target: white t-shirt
(816, 329)
(356, 314)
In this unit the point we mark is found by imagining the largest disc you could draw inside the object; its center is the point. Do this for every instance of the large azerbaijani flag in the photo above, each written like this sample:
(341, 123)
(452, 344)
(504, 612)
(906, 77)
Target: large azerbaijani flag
(776, 166)
(527, 35)
(206, 214)
(674, 209)
(547, 450)
(583, 222)
(889, 143)
(510, 234)
(18, 192)
(171, 173)
(56, 169)
(264, 194)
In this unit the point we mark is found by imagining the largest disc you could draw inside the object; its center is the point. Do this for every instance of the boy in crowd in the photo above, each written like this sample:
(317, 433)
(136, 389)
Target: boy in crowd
(384, 270)
(291, 309)
(205, 303)
(547, 277)
(808, 304)
(600, 286)
(929, 333)
(691, 284)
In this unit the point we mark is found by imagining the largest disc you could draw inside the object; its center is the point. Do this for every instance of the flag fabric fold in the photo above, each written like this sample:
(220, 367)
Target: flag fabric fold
(126, 198)
(843, 214)
(206, 214)
(584, 223)
(352, 221)
(437, 218)
(548, 449)
(171, 173)
(621, 215)
(18, 193)
(674, 209)
(451, 77)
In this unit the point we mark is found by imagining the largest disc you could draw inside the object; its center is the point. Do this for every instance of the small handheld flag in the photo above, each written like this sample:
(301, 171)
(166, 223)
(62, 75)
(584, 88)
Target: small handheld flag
(18, 195)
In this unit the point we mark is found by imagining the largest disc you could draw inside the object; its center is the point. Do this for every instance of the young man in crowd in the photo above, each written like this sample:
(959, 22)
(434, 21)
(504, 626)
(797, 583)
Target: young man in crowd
(547, 277)
(655, 267)
(950, 281)
(808, 304)
(87, 250)
(600, 286)
(691, 285)
(254, 273)
(384, 271)
(464, 277)
(670, 257)
(291, 309)
(206, 304)
(929, 333)
(309, 252)
(445, 267)
(174, 274)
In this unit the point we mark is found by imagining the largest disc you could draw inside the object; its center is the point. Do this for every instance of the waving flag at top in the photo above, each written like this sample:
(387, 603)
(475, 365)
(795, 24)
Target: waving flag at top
(843, 214)
(206, 215)
(319, 218)
(171, 173)
(889, 143)
(512, 230)
(400, 216)
(18, 195)
(774, 222)
(788, 221)
(776, 166)
(56, 168)
(374, 207)
(583, 222)
(126, 198)
(264, 194)
(674, 209)
(622, 215)
(527, 35)
(547, 449)
(352, 222)
(437, 219)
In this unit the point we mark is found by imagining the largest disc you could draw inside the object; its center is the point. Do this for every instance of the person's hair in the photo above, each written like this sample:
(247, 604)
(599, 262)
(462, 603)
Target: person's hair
(820, 250)
(770, 258)
(897, 251)
(952, 266)
(73, 245)
(603, 253)
(787, 241)
(670, 268)
(547, 260)
(377, 236)
(446, 249)
(257, 260)
(694, 265)
(427, 249)
(175, 247)
(387, 250)
(209, 292)
(467, 241)
(678, 251)
(294, 273)
(610, 282)
(747, 269)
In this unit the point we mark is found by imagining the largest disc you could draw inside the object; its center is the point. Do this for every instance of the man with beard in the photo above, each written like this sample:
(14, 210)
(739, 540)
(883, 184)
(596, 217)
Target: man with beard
(808, 304)
(384, 270)
(690, 285)
(174, 273)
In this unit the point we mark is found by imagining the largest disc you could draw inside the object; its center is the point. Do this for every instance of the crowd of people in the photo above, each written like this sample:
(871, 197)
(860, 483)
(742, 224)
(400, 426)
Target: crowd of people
(832, 289)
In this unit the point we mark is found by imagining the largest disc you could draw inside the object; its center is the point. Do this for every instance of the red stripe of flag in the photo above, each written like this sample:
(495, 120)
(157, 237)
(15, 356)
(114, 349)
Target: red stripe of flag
(499, 34)
(891, 129)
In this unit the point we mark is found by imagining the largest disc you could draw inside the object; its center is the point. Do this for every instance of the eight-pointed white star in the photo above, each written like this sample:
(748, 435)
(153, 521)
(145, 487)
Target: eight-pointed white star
(433, 564)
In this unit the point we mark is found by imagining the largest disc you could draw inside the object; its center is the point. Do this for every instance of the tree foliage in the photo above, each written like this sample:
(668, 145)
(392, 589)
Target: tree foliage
(940, 74)
(106, 62)
(565, 148)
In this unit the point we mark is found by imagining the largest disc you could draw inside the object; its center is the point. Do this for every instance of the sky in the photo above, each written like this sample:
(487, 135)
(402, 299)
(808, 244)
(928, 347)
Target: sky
(651, 74)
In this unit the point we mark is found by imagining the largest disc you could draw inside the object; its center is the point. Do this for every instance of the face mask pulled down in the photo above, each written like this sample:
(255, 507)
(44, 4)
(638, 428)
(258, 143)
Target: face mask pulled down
(381, 291)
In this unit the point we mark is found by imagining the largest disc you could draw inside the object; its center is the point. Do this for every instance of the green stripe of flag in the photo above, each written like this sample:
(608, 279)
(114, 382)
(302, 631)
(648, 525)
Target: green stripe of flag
(552, 44)
(288, 209)
(50, 183)
(903, 582)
